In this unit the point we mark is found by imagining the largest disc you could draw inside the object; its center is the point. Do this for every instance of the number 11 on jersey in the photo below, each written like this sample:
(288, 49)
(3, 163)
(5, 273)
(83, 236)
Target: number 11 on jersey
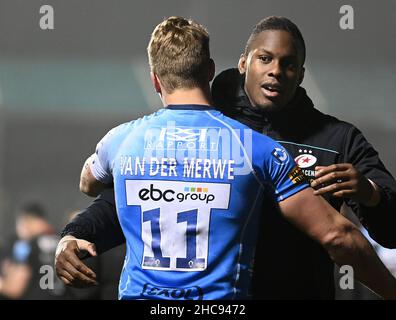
(175, 222)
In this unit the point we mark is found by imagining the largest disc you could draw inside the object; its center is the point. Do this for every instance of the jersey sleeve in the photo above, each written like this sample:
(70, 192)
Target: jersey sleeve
(101, 166)
(285, 176)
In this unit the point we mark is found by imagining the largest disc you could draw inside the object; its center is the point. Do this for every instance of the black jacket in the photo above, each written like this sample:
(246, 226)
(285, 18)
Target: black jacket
(288, 264)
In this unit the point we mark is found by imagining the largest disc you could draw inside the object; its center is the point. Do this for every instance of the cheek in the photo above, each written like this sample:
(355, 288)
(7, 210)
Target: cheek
(292, 88)
(253, 70)
(293, 79)
(292, 85)
(253, 79)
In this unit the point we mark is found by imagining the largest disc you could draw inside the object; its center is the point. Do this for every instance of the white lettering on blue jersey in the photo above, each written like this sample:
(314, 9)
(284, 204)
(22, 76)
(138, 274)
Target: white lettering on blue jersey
(189, 186)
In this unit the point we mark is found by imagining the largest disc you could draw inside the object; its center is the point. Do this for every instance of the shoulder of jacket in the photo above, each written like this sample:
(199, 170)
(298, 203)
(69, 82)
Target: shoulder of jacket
(332, 123)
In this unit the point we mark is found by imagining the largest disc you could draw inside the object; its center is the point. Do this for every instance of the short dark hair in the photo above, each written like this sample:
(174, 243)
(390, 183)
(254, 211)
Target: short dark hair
(32, 209)
(278, 23)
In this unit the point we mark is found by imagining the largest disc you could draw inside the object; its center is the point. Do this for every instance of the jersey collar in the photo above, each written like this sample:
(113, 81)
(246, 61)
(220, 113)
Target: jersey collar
(189, 107)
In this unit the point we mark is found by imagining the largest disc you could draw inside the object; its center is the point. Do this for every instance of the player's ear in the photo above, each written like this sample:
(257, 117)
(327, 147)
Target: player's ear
(155, 81)
(212, 69)
(242, 64)
(301, 76)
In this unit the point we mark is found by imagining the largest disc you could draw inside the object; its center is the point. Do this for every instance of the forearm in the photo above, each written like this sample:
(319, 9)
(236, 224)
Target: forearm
(101, 236)
(354, 250)
(98, 223)
(342, 240)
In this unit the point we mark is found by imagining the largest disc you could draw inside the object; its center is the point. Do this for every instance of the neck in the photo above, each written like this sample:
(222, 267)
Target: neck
(188, 96)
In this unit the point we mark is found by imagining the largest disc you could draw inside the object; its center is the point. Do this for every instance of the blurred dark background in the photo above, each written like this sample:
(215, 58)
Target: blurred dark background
(61, 90)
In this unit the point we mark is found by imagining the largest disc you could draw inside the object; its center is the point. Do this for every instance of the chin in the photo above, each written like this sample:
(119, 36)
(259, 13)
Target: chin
(268, 106)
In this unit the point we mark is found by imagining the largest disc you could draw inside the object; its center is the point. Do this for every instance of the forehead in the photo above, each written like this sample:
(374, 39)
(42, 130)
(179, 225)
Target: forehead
(277, 42)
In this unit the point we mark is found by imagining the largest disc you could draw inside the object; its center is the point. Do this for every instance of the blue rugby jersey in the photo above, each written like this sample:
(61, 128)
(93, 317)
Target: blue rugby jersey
(189, 184)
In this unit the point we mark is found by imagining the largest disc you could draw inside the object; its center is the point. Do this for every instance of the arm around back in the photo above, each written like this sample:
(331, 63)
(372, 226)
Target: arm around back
(341, 238)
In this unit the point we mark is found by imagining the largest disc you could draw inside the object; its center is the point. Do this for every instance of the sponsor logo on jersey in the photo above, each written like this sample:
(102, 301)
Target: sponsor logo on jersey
(195, 193)
(309, 173)
(193, 293)
(182, 138)
(305, 160)
(184, 134)
(296, 175)
(280, 155)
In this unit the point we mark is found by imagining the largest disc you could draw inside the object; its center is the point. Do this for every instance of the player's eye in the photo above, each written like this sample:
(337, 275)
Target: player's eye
(265, 59)
(292, 66)
(289, 64)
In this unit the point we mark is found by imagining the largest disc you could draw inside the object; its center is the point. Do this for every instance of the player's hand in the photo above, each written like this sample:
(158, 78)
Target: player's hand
(343, 180)
(68, 265)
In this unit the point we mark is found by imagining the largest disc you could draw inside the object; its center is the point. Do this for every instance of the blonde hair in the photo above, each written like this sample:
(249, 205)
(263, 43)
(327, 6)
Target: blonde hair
(179, 54)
